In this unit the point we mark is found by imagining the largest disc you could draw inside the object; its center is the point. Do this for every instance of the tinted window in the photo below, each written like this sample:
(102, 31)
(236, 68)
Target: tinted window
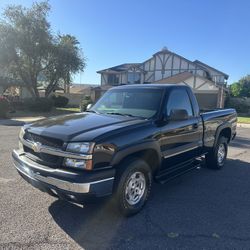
(140, 102)
(179, 99)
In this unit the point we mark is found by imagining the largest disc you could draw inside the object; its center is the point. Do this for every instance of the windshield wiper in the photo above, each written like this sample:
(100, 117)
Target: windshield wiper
(116, 113)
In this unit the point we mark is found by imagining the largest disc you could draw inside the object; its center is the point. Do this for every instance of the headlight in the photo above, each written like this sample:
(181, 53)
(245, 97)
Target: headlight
(80, 147)
(80, 164)
(21, 133)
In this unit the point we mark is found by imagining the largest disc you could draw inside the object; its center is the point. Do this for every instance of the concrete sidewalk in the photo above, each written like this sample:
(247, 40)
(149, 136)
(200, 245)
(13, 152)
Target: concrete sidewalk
(243, 125)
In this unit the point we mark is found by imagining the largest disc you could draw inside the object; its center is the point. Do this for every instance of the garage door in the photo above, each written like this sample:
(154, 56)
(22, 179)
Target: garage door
(207, 101)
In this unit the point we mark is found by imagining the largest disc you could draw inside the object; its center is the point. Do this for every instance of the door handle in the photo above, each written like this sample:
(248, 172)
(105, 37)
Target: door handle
(195, 125)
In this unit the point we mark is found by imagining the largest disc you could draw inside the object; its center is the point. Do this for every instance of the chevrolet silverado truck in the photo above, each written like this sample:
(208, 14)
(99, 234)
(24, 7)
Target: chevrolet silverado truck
(133, 135)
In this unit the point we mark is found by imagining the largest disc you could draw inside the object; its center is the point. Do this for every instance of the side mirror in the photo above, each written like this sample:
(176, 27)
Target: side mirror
(178, 115)
(89, 106)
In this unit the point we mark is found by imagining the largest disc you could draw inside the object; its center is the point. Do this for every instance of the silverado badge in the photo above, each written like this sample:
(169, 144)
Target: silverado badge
(36, 147)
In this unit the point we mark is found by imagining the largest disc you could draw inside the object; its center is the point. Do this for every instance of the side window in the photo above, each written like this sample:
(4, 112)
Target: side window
(179, 99)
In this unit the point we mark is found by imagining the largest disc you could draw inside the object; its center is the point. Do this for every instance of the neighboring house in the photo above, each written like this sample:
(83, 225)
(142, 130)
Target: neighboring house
(76, 92)
(208, 83)
(78, 88)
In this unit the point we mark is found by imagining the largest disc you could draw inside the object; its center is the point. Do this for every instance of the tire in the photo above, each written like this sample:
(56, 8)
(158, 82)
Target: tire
(133, 185)
(217, 157)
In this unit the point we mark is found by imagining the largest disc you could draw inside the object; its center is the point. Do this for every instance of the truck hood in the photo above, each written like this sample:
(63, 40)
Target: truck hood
(83, 126)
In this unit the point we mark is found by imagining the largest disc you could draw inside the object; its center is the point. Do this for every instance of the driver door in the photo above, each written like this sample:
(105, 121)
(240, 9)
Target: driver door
(181, 139)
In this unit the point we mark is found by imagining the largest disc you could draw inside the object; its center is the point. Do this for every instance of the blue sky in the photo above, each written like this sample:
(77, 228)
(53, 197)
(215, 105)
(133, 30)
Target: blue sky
(113, 32)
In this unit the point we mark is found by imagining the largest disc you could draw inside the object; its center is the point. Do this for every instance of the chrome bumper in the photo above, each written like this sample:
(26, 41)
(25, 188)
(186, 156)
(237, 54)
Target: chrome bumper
(32, 170)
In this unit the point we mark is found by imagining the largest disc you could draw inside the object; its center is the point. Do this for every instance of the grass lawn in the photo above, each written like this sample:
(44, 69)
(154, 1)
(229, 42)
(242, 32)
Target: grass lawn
(244, 119)
(69, 109)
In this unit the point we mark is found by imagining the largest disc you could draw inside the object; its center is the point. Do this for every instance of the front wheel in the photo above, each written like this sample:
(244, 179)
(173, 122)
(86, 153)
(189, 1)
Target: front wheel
(217, 157)
(133, 186)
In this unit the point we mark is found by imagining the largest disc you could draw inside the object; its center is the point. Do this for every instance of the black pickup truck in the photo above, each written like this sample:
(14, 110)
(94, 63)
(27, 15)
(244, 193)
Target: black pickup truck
(133, 135)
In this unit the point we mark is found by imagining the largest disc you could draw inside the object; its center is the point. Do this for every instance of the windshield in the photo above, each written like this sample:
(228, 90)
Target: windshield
(129, 102)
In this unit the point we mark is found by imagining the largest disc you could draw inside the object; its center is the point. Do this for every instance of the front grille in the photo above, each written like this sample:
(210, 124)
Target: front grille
(42, 158)
(44, 140)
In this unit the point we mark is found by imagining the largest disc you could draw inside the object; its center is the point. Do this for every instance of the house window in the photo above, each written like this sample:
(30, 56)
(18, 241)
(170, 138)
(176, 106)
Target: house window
(134, 77)
(113, 79)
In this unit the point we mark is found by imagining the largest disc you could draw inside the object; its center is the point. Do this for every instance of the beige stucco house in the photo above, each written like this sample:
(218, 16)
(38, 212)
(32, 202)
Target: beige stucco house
(208, 83)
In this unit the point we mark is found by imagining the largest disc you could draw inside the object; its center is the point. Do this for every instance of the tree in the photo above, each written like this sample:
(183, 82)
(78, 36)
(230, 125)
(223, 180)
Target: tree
(241, 88)
(65, 60)
(29, 51)
(235, 89)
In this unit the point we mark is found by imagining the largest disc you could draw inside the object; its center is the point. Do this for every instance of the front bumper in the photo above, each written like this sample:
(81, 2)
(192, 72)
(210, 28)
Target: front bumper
(73, 185)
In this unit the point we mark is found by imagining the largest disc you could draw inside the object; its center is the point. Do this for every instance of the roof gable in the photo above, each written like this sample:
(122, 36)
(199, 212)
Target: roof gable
(165, 51)
(126, 66)
(205, 66)
(120, 68)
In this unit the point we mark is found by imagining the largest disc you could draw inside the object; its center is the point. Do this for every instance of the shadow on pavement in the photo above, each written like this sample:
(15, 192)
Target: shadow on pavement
(91, 226)
(240, 142)
(204, 208)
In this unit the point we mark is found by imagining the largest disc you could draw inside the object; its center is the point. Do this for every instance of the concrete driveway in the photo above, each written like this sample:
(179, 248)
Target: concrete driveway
(203, 209)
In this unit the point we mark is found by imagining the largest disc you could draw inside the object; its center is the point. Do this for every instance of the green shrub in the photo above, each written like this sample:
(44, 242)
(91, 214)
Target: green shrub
(39, 105)
(85, 102)
(17, 105)
(60, 101)
(4, 106)
(239, 104)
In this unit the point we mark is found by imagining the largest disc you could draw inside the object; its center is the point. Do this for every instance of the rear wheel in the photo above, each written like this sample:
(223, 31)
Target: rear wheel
(133, 186)
(217, 157)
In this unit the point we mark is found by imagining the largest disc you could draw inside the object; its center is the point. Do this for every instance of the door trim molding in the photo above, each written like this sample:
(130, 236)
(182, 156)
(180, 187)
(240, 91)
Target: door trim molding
(180, 152)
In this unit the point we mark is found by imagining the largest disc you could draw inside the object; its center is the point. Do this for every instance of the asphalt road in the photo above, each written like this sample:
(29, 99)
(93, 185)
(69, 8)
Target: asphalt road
(203, 209)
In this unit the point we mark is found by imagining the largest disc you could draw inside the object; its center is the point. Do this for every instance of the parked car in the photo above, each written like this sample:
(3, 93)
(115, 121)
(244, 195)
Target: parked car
(132, 136)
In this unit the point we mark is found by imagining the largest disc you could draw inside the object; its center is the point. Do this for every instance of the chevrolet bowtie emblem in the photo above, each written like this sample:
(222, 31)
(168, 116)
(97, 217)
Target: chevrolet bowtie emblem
(36, 147)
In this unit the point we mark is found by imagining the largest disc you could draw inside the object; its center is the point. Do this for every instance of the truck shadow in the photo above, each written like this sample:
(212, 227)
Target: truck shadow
(203, 202)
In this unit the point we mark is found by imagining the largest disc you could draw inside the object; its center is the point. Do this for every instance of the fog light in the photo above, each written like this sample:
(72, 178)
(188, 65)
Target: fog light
(76, 163)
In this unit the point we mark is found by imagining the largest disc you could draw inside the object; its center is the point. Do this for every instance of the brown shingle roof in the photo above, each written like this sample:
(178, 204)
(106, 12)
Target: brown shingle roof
(176, 78)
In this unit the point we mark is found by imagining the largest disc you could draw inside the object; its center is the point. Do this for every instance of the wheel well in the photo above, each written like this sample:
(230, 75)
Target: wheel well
(150, 156)
(226, 132)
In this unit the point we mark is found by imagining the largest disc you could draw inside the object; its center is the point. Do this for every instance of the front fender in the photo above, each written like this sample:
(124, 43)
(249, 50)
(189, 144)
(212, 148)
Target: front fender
(133, 149)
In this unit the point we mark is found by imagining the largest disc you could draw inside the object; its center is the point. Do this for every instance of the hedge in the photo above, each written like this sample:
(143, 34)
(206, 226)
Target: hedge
(60, 101)
(4, 106)
(41, 104)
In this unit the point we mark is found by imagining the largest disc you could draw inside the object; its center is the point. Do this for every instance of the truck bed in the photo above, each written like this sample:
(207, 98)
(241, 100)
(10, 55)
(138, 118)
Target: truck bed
(213, 119)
